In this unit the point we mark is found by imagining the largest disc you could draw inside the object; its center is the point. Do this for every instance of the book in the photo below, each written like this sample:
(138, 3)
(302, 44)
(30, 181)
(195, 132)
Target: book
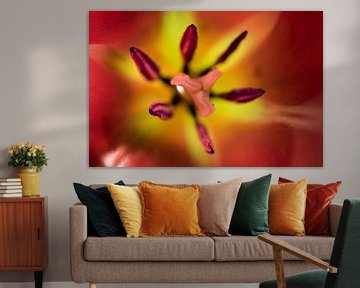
(10, 180)
(10, 191)
(4, 195)
(10, 187)
(9, 183)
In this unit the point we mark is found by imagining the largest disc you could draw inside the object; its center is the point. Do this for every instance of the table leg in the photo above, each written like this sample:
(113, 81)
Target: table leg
(38, 279)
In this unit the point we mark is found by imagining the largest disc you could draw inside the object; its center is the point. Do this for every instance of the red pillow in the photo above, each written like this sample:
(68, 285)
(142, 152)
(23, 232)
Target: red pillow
(319, 197)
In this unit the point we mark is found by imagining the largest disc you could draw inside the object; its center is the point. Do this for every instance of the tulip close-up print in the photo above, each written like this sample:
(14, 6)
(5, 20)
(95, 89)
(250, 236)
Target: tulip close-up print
(230, 89)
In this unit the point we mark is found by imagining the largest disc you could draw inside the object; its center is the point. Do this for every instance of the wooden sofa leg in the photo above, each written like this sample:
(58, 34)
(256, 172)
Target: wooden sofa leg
(92, 285)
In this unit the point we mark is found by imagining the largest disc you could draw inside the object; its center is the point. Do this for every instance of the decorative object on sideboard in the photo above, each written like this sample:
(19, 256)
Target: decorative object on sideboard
(10, 187)
(30, 180)
(30, 158)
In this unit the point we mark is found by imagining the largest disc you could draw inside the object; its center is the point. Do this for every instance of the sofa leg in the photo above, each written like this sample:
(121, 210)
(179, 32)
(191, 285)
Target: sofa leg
(92, 285)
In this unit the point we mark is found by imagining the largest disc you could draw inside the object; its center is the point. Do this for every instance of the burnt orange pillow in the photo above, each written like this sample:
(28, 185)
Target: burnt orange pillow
(169, 210)
(319, 197)
(287, 204)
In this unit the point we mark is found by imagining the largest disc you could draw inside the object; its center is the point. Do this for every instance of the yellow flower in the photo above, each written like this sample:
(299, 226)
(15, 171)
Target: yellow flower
(25, 154)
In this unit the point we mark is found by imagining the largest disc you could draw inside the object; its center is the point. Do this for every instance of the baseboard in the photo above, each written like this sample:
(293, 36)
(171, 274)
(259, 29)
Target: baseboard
(74, 285)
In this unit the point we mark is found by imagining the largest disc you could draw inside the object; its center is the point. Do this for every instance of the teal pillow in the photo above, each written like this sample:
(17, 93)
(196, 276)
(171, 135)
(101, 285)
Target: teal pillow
(250, 216)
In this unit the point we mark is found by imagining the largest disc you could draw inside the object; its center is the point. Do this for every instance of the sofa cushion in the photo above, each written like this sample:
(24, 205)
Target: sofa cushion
(318, 199)
(127, 201)
(169, 210)
(149, 249)
(287, 204)
(102, 216)
(250, 216)
(243, 248)
(216, 206)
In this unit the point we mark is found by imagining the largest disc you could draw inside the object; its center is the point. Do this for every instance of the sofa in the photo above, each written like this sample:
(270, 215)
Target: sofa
(233, 259)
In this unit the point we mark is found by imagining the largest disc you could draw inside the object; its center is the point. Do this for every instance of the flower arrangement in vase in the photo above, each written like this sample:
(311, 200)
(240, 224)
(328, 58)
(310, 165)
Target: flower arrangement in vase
(30, 158)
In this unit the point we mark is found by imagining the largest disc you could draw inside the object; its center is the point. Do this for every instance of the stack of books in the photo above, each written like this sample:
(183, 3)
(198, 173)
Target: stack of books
(10, 187)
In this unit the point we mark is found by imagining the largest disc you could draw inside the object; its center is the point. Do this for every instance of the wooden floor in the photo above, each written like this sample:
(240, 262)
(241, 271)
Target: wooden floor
(74, 285)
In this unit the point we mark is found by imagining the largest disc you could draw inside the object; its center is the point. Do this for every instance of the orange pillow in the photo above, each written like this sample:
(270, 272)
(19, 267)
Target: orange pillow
(318, 199)
(287, 204)
(169, 210)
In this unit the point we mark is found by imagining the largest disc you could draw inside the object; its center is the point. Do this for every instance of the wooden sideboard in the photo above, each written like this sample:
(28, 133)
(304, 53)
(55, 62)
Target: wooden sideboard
(23, 235)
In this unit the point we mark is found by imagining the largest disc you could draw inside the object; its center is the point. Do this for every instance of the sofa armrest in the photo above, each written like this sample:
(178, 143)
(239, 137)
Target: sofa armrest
(78, 235)
(334, 217)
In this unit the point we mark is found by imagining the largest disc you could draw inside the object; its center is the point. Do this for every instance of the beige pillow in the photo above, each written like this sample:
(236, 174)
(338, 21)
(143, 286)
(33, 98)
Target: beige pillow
(216, 205)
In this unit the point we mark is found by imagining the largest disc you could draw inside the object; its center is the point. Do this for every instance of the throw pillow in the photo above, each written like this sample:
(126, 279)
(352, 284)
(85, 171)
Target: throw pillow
(169, 210)
(216, 206)
(127, 201)
(319, 197)
(102, 215)
(287, 204)
(250, 215)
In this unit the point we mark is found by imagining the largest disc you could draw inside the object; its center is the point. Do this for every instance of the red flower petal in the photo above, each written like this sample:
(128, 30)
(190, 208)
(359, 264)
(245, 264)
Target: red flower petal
(145, 64)
(188, 43)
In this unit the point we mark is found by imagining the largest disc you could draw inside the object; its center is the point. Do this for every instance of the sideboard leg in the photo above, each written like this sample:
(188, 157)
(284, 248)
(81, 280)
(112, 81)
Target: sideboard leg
(92, 285)
(38, 279)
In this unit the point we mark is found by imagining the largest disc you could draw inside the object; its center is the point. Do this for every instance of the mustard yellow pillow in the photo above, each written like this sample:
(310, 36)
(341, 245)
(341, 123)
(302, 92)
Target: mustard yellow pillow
(287, 204)
(169, 210)
(127, 201)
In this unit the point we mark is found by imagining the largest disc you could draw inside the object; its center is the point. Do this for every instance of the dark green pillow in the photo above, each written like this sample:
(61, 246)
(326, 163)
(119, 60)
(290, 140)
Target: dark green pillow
(103, 218)
(250, 216)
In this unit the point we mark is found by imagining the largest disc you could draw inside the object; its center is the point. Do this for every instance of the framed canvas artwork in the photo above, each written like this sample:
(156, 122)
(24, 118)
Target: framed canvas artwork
(205, 89)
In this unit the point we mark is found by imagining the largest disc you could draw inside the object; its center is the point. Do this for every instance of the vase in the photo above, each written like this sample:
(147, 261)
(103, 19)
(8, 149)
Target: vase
(30, 181)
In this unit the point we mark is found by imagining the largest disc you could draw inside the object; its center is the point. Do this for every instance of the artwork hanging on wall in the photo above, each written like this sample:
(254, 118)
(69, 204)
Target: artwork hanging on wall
(205, 89)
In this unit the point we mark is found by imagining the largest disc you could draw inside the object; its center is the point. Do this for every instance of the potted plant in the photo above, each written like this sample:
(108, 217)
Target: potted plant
(30, 158)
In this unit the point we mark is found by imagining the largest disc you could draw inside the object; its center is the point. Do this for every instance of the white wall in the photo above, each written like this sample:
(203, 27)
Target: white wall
(43, 90)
